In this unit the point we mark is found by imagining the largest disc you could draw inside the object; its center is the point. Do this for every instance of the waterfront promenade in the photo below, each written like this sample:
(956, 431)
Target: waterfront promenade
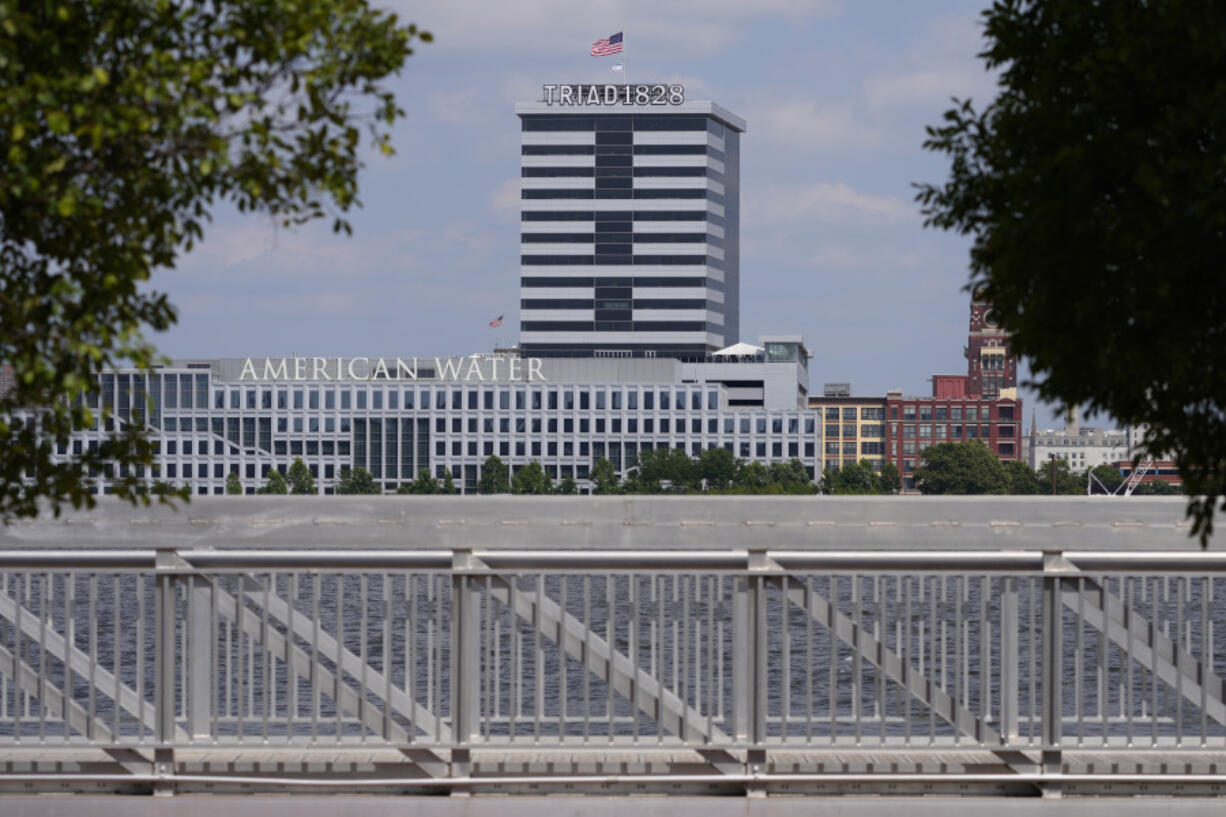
(762, 647)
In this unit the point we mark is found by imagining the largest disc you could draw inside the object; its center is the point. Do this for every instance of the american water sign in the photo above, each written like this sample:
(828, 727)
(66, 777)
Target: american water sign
(466, 369)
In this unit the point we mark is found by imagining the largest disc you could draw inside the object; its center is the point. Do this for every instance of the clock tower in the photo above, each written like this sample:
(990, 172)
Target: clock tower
(991, 368)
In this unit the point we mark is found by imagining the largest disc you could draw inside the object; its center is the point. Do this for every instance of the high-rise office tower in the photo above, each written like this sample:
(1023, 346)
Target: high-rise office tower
(630, 223)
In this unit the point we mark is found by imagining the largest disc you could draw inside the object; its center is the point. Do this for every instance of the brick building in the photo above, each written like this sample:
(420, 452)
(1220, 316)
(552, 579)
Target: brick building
(981, 405)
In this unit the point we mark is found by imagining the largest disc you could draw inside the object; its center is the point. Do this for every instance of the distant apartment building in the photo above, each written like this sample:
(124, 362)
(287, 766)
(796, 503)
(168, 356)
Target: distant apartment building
(981, 405)
(915, 423)
(1081, 448)
(853, 427)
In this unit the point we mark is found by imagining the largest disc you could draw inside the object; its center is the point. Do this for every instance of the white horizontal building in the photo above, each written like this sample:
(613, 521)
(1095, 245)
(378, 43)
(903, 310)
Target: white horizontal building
(395, 416)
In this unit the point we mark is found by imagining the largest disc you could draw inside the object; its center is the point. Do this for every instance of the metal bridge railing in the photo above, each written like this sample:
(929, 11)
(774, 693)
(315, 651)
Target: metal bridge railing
(743, 651)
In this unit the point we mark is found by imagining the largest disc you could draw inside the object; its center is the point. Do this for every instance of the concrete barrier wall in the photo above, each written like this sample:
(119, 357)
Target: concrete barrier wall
(638, 522)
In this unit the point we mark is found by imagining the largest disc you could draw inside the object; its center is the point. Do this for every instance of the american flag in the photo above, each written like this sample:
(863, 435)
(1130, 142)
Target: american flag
(608, 47)
(496, 322)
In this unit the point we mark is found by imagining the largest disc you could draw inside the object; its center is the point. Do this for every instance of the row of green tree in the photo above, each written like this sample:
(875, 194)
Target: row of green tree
(972, 468)
(657, 471)
(660, 470)
(298, 480)
(861, 478)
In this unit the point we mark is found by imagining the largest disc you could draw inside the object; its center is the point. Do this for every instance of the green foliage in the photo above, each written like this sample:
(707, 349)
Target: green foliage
(493, 477)
(604, 477)
(275, 485)
(1022, 480)
(162, 488)
(299, 478)
(661, 469)
(779, 478)
(751, 477)
(1092, 189)
(357, 481)
(1109, 476)
(566, 486)
(852, 478)
(233, 485)
(791, 477)
(890, 479)
(424, 484)
(448, 486)
(961, 468)
(531, 479)
(1057, 470)
(717, 467)
(125, 124)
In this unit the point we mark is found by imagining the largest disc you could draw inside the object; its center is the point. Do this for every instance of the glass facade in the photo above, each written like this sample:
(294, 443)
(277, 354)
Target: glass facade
(207, 428)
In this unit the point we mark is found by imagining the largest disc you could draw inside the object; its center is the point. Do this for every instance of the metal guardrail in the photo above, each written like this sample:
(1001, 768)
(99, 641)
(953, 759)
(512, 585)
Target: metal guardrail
(733, 655)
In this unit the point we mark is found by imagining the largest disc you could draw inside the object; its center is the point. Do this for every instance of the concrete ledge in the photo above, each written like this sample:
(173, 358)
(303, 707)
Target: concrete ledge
(631, 522)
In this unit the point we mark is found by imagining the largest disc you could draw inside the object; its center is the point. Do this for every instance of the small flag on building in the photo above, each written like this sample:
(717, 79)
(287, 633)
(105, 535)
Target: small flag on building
(607, 47)
(496, 322)
(619, 67)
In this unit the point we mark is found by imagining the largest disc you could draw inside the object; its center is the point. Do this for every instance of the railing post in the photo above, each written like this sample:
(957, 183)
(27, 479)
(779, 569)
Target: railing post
(1054, 567)
(166, 567)
(749, 652)
(201, 644)
(1009, 640)
(465, 663)
(749, 665)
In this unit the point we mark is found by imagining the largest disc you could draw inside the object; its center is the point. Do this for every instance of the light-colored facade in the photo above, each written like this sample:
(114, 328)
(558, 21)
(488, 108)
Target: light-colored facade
(213, 417)
(853, 428)
(630, 240)
(1081, 448)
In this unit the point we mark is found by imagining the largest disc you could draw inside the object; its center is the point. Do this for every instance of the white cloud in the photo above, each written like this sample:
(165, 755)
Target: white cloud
(801, 123)
(455, 107)
(504, 199)
(562, 26)
(942, 63)
(832, 202)
(926, 87)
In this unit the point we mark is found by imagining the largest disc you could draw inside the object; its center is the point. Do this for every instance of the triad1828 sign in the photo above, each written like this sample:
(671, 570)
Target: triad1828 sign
(613, 94)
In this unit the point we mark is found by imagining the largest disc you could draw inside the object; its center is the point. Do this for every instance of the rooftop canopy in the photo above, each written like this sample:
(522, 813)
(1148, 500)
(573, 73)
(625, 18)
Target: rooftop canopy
(739, 350)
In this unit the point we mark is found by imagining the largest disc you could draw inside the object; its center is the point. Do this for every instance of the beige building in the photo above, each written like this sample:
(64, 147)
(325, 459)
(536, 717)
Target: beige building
(853, 428)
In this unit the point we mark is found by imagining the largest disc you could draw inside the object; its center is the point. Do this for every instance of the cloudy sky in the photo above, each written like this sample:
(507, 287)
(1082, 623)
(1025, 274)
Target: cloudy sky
(836, 95)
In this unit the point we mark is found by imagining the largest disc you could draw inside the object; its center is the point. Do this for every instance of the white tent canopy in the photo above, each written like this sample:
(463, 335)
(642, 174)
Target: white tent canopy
(739, 350)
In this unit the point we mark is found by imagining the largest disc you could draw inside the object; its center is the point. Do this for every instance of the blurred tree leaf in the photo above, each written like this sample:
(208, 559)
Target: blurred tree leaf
(124, 124)
(1093, 188)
